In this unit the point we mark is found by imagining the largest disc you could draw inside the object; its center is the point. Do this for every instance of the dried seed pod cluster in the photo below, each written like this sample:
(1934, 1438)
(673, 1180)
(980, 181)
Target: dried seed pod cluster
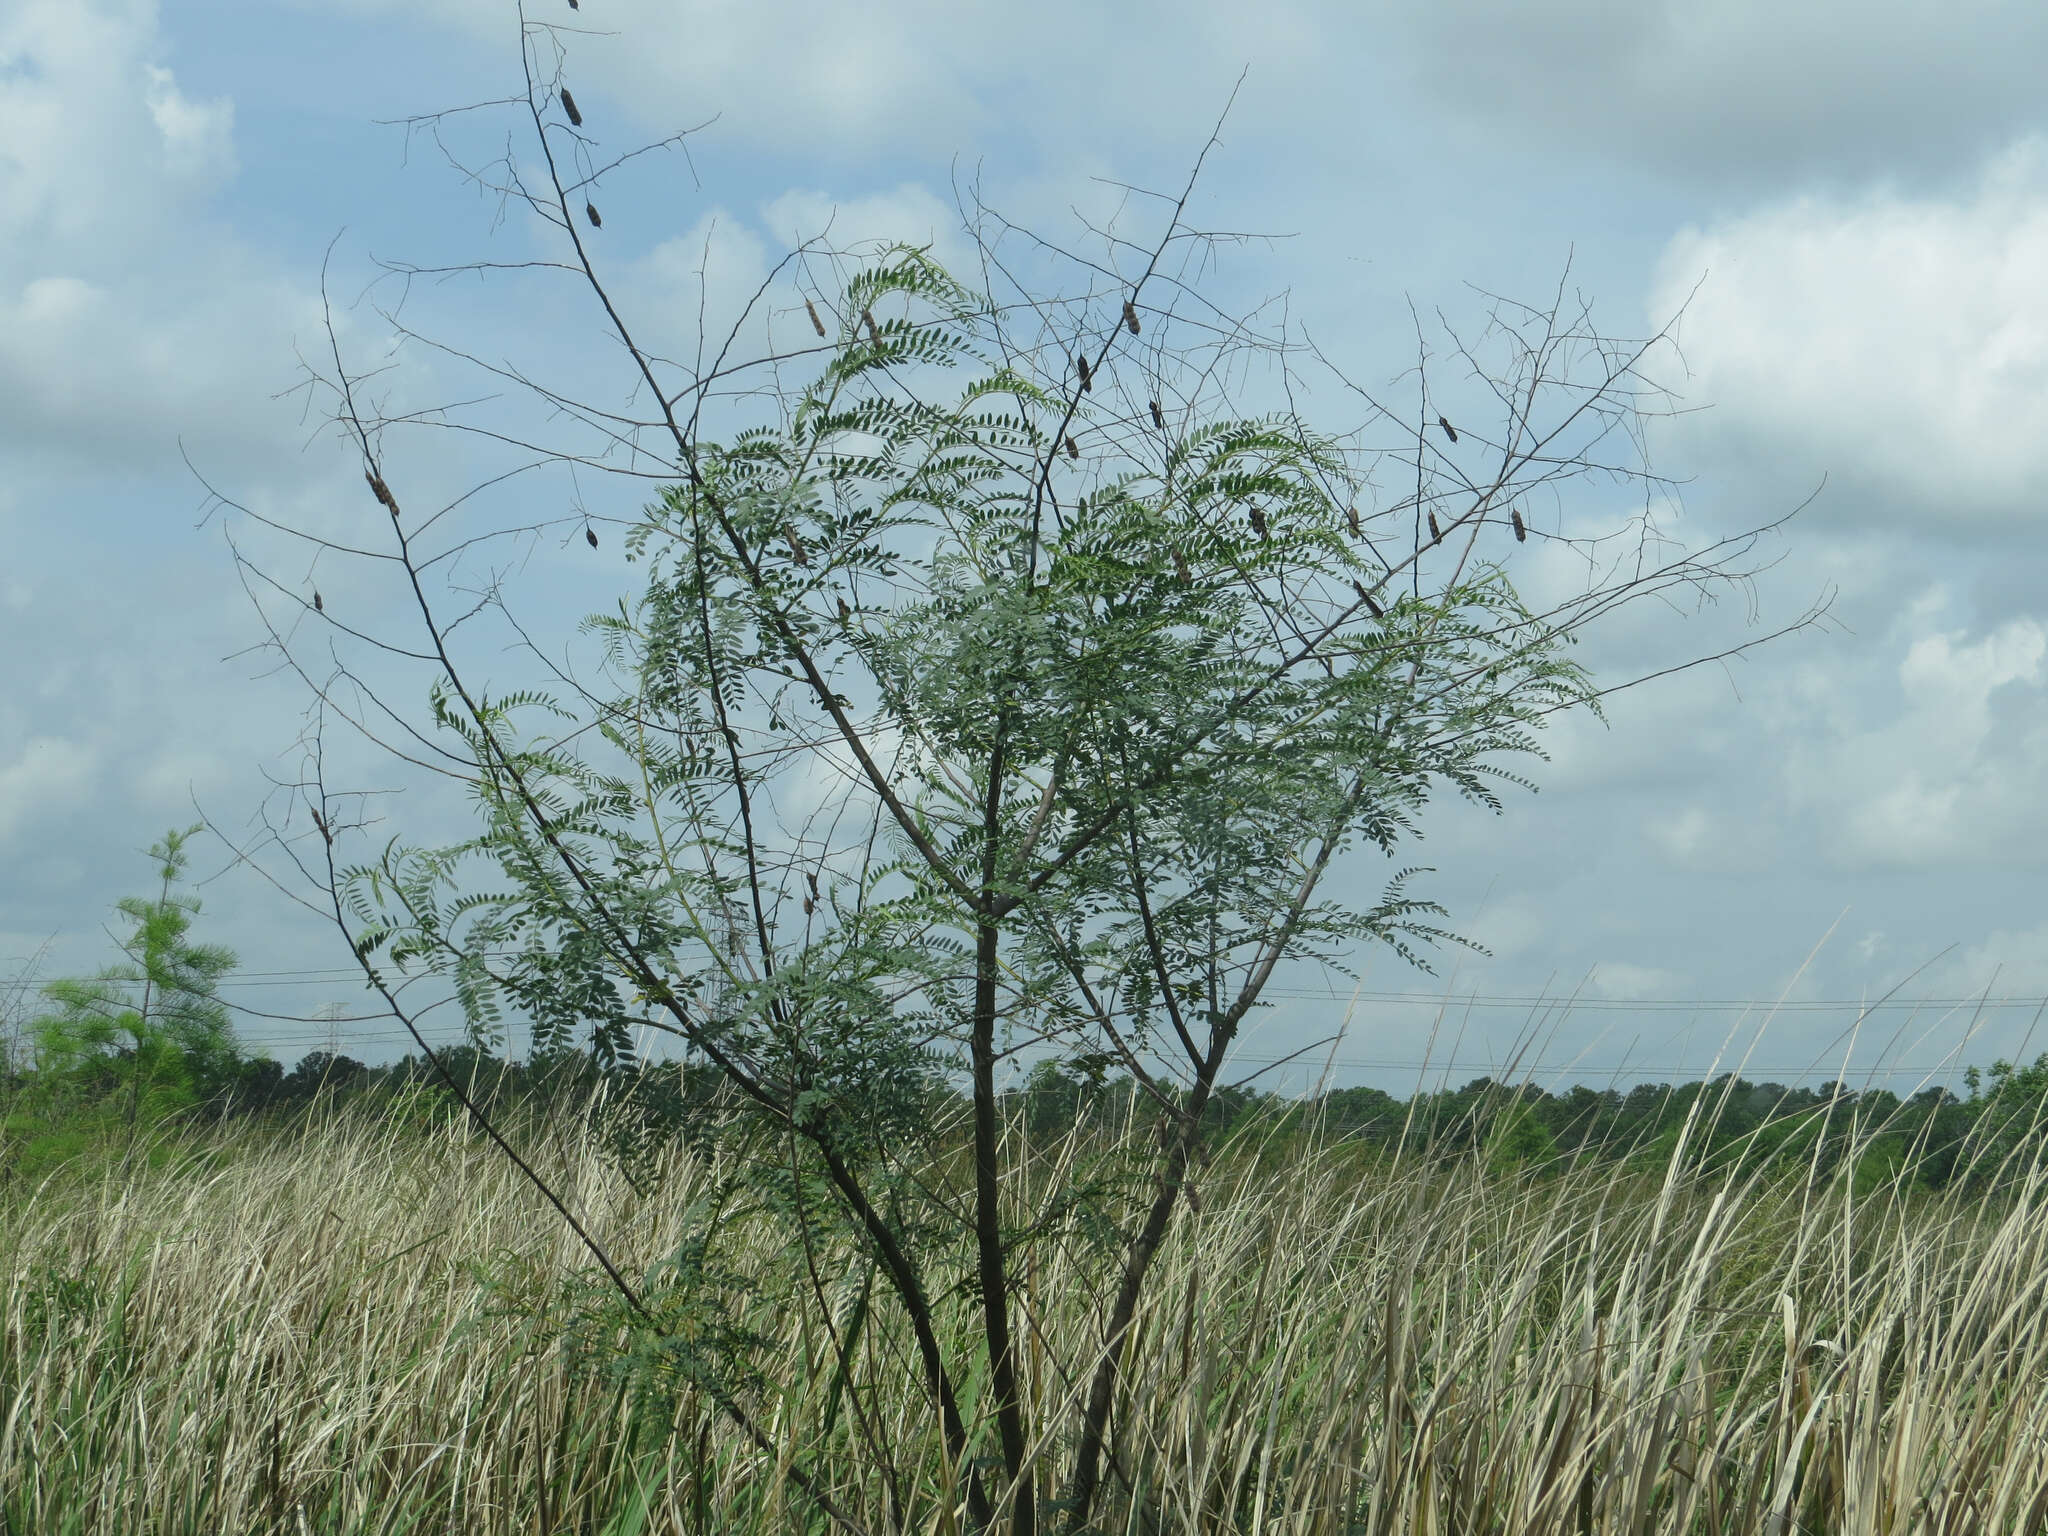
(1087, 374)
(1131, 316)
(569, 106)
(1073, 448)
(1258, 520)
(590, 211)
(382, 492)
(1158, 416)
(812, 310)
(1435, 533)
(1449, 431)
(1521, 531)
(590, 533)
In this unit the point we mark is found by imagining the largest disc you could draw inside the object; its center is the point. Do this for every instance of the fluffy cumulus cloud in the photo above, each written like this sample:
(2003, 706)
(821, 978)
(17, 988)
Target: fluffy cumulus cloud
(128, 317)
(1897, 343)
(1943, 768)
(98, 139)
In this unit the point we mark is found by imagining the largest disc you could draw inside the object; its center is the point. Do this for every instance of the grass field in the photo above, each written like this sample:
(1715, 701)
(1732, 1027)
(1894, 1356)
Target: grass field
(358, 1326)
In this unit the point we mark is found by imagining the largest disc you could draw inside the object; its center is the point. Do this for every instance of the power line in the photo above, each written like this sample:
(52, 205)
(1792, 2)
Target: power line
(338, 975)
(1447, 1001)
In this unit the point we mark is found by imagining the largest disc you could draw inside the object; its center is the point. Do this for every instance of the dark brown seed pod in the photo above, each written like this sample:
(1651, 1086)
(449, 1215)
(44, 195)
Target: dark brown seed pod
(810, 906)
(378, 488)
(1366, 597)
(1131, 316)
(1258, 522)
(318, 606)
(1521, 532)
(573, 5)
(1158, 416)
(1073, 449)
(1435, 533)
(797, 552)
(591, 535)
(1180, 569)
(569, 106)
(1087, 374)
(874, 331)
(812, 310)
(1351, 514)
(811, 876)
(326, 835)
(590, 211)
(845, 612)
(1449, 431)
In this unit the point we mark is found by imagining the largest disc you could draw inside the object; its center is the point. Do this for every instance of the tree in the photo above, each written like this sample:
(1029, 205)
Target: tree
(149, 1035)
(999, 688)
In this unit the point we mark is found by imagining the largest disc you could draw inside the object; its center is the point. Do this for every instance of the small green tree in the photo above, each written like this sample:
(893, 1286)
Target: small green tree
(148, 1036)
(999, 687)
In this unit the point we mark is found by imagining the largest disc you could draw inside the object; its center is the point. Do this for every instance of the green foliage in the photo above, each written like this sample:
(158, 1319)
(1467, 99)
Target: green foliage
(140, 1041)
(1519, 1140)
(926, 743)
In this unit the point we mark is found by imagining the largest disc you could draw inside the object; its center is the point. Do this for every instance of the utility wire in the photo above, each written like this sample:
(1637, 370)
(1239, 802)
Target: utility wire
(1579, 1004)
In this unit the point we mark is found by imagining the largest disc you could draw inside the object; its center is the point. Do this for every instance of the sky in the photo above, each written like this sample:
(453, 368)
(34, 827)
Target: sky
(1841, 213)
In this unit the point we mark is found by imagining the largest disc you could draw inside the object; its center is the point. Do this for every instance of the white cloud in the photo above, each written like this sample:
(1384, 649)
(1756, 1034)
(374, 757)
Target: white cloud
(99, 141)
(198, 137)
(128, 316)
(1944, 769)
(112, 373)
(1898, 343)
(2006, 963)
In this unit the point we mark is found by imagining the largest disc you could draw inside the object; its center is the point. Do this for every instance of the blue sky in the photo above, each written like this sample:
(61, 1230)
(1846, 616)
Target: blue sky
(1859, 195)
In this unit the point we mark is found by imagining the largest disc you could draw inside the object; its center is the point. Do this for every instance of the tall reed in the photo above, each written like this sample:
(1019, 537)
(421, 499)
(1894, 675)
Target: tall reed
(369, 1325)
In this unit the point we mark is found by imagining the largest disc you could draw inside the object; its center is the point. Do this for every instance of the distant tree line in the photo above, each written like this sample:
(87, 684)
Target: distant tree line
(1727, 1121)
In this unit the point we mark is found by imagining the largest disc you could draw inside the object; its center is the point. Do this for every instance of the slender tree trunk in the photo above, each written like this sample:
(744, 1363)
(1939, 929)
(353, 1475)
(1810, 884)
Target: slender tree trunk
(988, 1232)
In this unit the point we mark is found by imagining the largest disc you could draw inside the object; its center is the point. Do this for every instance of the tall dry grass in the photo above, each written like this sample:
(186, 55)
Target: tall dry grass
(356, 1328)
